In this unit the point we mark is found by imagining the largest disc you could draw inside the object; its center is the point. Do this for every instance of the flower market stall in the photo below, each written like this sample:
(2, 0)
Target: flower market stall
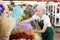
(13, 14)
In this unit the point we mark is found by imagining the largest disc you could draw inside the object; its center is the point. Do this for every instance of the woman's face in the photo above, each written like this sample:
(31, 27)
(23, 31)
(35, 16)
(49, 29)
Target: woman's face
(39, 12)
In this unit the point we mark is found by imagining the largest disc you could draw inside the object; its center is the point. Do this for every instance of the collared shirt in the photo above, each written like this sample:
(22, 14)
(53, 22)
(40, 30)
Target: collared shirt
(44, 17)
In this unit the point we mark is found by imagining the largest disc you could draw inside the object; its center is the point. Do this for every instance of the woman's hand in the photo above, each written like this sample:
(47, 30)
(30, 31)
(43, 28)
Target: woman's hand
(19, 24)
(26, 21)
(34, 30)
(38, 31)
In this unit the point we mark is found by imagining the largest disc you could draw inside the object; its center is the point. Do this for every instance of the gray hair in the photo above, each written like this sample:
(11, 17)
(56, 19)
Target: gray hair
(42, 7)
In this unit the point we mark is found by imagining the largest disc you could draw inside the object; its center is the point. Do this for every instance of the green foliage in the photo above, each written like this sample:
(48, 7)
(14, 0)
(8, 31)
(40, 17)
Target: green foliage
(27, 15)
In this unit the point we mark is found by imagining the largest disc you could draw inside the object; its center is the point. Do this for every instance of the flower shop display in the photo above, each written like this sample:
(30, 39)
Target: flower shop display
(8, 23)
(23, 31)
(2, 8)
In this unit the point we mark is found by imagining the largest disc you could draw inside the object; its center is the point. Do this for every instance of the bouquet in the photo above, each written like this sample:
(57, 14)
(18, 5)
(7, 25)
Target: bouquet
(8, 23)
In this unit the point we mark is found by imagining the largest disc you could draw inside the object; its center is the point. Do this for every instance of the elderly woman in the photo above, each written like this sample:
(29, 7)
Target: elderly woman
(47, 30)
